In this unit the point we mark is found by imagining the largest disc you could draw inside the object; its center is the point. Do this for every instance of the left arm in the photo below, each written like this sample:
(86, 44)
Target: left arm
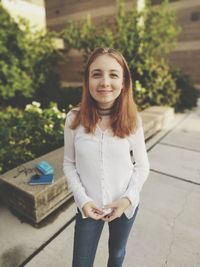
(141, 167)
(130, 198)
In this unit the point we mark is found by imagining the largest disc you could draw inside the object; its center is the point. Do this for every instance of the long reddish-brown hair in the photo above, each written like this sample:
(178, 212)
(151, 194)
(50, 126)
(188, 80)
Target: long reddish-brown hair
(124, 115)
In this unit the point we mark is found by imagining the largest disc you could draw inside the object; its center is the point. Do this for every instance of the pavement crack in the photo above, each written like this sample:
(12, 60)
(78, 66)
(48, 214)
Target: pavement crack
(173, 227)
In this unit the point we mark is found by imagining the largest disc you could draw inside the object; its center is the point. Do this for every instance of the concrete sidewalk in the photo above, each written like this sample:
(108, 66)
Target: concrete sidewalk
(167, 229)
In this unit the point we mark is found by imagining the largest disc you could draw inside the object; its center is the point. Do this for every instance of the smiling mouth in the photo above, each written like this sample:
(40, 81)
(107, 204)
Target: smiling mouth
(104, 91)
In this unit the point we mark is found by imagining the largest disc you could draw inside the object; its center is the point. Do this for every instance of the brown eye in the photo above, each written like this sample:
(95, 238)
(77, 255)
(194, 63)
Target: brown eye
(95, 75)
(114, 75)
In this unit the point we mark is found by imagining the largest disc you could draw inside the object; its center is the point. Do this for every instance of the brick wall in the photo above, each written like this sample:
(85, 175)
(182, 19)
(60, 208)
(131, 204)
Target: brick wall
(189, 19)
(58, 12)
(158, 2)
(189, 61)
(71, 70)
(186, 55)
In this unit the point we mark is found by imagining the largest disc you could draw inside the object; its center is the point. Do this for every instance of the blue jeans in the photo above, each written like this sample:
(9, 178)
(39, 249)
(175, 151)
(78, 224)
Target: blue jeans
(87, 235)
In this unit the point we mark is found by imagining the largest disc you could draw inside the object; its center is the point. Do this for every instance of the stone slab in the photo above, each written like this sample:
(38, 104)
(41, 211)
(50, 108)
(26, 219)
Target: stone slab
(163, 233)
(191, 122)
(178, 117)
(175, 161)
(151, 124)
(186, 135)
(38, 201)
(166, 114)
(184, 139)
(19, 239)
(167, 230)
(156, 118)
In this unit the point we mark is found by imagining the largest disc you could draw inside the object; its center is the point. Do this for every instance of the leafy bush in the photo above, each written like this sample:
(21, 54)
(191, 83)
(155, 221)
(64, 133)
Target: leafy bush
(25, 135)
(144, 45)
(188, 93)
(27, 63)
(159, 89)
(69, 96)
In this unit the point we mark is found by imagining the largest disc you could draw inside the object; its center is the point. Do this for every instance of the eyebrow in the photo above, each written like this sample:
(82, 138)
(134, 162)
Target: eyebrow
(99, 70)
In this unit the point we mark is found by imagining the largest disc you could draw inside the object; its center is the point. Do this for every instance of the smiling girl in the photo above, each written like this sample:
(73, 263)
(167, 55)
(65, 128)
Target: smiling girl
(100, 137)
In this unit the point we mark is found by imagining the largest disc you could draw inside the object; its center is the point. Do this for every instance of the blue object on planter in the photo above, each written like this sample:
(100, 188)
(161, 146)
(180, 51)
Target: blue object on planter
(45, 168)
(43, 179)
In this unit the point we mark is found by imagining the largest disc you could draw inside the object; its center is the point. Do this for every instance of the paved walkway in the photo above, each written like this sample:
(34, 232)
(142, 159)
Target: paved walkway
(166, 232)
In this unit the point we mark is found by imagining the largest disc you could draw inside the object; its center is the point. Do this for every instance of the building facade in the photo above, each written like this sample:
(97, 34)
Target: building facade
(186, 55)
(32, 10)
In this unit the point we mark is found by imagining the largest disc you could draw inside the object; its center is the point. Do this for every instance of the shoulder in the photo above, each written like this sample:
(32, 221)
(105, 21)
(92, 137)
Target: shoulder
(139, 121)
(138, 128)
(72, 114)
(138, 124)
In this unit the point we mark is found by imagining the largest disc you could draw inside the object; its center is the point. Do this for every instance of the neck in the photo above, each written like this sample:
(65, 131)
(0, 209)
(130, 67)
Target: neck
(104, 111)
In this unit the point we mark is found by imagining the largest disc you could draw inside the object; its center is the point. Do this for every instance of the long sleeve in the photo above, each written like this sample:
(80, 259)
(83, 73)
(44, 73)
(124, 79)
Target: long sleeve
(140, 171)
(69, 167)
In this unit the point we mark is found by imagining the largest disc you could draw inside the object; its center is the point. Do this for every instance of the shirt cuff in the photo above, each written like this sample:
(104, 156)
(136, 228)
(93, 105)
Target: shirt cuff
(80, 202)
(134, 199)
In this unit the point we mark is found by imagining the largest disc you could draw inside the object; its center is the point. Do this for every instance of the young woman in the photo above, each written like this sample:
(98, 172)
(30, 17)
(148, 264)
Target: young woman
(102, 137)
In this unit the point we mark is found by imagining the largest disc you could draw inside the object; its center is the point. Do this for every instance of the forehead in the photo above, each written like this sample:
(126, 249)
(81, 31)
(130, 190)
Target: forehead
(105, 63)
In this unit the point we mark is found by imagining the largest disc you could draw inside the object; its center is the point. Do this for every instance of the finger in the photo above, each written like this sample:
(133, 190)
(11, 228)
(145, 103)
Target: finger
(111, 205)
(107, 217)
(114, 215)
(97, 210)
(98, 216)
(95, 214)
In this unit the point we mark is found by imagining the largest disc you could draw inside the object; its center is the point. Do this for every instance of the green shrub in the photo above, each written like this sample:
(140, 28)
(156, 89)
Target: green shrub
(27, 63)
(25, 135)
(159, 88)
(188, 93)
(143, 45)
(67, 96)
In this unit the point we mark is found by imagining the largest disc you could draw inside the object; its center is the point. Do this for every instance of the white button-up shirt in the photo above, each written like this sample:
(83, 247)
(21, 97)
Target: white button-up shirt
(99, 167)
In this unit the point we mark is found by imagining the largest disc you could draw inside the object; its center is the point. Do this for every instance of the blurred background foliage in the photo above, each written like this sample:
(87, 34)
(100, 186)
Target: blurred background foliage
(28, 74)
(30, 133)
(144, 38)
(27, 63)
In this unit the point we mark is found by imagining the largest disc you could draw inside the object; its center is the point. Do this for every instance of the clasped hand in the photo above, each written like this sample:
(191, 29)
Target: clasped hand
(118, 207)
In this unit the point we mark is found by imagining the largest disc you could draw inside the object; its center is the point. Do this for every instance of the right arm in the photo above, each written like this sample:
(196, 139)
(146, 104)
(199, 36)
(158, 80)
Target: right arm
(83, 201)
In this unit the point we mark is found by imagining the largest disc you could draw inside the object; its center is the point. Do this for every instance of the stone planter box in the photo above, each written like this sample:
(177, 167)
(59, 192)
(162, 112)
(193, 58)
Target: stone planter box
(35, 202)
(156, 118)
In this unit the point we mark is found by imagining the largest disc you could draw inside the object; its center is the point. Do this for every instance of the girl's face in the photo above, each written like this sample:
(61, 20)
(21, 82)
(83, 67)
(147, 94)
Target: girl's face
(105, 80)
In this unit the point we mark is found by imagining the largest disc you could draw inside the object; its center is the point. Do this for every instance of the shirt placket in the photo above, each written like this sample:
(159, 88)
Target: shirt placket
(102, 144)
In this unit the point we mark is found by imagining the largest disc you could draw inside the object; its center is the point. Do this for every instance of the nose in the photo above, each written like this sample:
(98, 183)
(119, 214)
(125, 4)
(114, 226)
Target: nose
(105, 81)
